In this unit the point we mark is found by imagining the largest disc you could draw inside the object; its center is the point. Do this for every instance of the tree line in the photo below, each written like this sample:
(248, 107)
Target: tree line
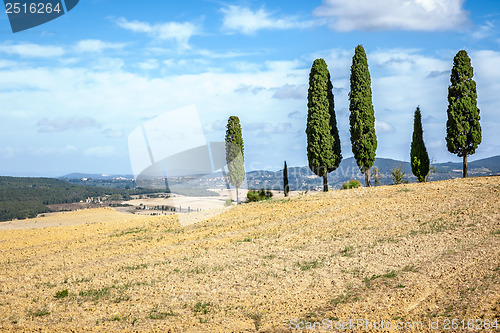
(463, 131)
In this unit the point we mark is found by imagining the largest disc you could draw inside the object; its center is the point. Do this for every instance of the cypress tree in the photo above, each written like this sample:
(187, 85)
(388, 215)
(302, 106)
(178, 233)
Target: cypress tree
(286, 189)
(463, 131)
(323, 143)
(419, 158)
(234, 154)
(362, 117)
(337, 153)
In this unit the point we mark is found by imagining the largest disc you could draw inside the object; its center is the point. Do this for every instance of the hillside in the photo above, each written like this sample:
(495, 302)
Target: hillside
(408, 253)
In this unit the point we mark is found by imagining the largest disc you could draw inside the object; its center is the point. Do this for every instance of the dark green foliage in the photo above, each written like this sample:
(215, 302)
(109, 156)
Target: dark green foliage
(253, 195)
(286, 189)
(114, 183)
(354, 183)
(362, 117)
(463, 131)
(337, 152)
(95, 294)
(319, 138)
(23, 197)
(156, 314)
(419, 158)
(202, 307)
(234, 153)
(304, 266)
(323, 142)
(62, 293)
(39, 313)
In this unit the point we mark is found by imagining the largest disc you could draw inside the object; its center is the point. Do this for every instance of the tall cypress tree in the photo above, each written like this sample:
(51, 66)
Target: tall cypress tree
(323, 143)
(234, 154)
(419, 158)
(337, 152)
(286, 189)
(463, 131)
(362, 117)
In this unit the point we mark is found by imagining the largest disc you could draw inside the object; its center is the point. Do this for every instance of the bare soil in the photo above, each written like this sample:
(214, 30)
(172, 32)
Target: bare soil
(413, 253)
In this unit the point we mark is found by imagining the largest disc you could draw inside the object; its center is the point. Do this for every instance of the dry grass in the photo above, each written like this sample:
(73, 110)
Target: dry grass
(400, 253)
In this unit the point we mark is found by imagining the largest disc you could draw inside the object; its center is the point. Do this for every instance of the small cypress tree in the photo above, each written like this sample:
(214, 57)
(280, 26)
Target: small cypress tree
(234, 154)
(362, 117)
(463, 131)
(323, 143)
(419, 158)
(286, 189)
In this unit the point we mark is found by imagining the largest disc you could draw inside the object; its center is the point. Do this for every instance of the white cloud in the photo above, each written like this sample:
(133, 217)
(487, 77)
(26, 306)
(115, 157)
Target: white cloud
(284, 65)
(30, 50)
(266, 129)
(383, 127)
(297, 115)
(8, 64)
(246, 21)
(113, 134)
(486, 74)
(245, 66)
(415, 15)
(54, 150)
(107, 64)
(149, 64)
(96, 46)
(483, 31)
(180, 32)
(222, 55)
(291, 91)
(249, 89)
(62, 124)
(100, 151)
(216, 126)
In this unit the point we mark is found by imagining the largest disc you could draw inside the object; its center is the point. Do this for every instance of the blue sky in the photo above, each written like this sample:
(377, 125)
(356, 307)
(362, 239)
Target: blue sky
(73, 89)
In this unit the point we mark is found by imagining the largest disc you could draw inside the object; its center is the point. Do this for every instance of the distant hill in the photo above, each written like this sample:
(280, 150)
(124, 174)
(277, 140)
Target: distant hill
(301, 178)
(492, 164)
(98, 180)
(78, 175)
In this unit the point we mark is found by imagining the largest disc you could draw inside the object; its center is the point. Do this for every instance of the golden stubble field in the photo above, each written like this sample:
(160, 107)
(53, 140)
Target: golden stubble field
(407, 253)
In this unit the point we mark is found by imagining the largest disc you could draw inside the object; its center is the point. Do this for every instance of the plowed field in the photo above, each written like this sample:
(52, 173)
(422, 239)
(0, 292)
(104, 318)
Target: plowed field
(408, 254)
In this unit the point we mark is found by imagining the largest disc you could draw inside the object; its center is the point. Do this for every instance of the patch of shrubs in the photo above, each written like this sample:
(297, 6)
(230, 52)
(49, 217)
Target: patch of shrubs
(254, 195)
(353, 183)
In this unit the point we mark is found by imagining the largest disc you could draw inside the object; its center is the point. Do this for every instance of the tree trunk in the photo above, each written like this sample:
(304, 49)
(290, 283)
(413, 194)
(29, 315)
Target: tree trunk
(237, 199)
(325, 183)
(367, 177)
(465, 166)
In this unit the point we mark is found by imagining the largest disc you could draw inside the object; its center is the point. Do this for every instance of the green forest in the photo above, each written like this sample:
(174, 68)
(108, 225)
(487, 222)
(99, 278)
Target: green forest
(22, 198)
